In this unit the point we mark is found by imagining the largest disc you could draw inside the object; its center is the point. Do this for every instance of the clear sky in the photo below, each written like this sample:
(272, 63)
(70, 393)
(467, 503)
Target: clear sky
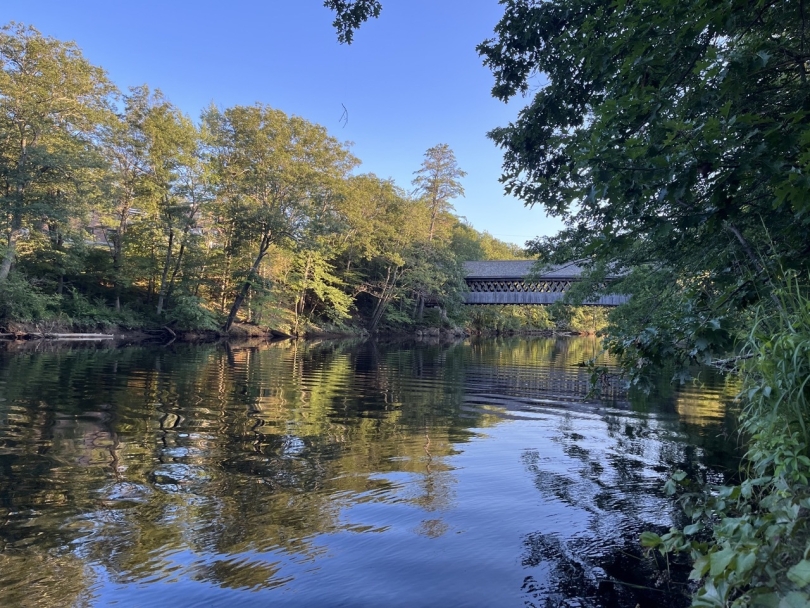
(410, 80)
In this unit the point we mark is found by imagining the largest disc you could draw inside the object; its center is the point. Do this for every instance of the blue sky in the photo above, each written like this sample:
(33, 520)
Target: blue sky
(410, 80)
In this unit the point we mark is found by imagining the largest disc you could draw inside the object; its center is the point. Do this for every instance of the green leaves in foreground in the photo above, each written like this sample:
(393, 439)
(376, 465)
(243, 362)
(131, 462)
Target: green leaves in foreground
(749, 542)
(672, 139)
(800, 573)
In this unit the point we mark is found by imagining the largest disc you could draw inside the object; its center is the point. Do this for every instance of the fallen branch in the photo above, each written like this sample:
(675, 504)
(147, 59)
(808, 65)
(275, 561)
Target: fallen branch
(52, 336)
(730, 364)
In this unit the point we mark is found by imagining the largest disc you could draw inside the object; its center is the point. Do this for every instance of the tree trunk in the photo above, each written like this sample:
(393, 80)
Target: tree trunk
(57, 244)
(223, 286)
(16, 218)
(374, 314)
(8, 257)
(385, 297)
(299, 302)
(176, 270)
(164, 275)
(118, 254)
(243, 291)
(420, 306)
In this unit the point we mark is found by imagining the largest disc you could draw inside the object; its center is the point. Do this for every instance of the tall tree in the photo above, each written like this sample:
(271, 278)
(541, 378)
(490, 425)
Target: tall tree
(123, 150)
(51, 102)
(168, 142)
(381, 227)
(272, 170)
(437, 181)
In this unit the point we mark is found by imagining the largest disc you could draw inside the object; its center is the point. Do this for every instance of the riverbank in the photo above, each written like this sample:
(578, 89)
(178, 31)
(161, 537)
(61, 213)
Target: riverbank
(242, 331)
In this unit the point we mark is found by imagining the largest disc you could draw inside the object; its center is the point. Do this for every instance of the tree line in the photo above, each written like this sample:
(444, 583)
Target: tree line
(119, 208)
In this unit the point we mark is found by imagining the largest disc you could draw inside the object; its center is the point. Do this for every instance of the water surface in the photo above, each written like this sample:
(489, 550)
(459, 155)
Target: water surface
(340, 474)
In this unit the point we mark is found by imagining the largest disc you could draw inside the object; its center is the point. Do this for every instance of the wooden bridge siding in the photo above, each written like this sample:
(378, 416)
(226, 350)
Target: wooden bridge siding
(505, 282)
(536, 292)
(532, 298)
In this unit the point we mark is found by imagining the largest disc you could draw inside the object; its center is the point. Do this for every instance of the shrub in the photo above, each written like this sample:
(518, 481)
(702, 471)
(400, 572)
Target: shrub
(751, 542)
(20, 301)
(188, 312)
(83, 312)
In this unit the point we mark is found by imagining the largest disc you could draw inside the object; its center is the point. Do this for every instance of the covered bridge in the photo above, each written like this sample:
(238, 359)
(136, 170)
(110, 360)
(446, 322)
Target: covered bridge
(507, 282)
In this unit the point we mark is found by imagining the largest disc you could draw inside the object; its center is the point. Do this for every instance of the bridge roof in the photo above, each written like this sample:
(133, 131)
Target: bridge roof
(518, 269)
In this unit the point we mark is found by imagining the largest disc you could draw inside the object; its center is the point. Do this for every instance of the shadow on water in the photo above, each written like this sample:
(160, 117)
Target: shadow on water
(607, 458)
(341, 473)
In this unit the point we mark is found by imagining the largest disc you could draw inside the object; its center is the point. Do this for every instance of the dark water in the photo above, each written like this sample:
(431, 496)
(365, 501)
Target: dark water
(341, 474)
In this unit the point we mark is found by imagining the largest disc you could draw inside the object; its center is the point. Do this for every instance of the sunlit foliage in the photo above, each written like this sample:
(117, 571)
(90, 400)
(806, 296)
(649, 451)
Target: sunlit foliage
(118, 209)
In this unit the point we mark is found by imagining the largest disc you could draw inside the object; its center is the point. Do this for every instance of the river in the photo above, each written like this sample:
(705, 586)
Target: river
(480, 473)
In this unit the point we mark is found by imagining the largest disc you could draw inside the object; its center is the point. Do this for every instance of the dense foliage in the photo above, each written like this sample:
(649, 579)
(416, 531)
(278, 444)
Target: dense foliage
(673, 139)
(120, 209)
(750, 542)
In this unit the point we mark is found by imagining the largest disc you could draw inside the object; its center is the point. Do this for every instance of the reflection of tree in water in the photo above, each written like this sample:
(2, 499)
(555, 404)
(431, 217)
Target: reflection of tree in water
(228, 464)
(501, 371)
(601, 460)
(236, 458)
(39, 578)
(435, 491)
(612, 471)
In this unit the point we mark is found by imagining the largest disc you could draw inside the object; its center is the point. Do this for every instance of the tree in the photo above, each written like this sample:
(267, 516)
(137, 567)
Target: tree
(123, 149)
(674, 139)
(350, 14)
(437, 181)
(156, 173)
(51, 102)
(171, 150)
(381, 230)
(271, 169)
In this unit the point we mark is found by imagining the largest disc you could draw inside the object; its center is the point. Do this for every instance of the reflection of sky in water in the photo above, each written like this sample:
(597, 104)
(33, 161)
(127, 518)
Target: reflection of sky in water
(474, 474)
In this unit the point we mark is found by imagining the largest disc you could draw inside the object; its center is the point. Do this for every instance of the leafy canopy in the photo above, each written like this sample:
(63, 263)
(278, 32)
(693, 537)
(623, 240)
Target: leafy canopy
(350, 14)
(672, 138)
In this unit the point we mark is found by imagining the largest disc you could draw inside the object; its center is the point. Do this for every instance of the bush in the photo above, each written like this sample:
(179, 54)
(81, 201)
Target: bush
(188, 312)
(82, 311)
(22, 302)
(751, 542)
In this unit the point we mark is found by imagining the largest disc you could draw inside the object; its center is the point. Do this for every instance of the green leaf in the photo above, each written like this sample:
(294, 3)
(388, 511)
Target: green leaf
(795, 599)
(700, 568)
(800, 573)
(709, 597)
(720, 560)
(692, 529)
(650, 539)
(765, 600)
(746, 563)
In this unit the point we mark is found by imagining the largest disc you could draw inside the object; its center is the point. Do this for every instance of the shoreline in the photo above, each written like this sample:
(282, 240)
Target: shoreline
(122, 336)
